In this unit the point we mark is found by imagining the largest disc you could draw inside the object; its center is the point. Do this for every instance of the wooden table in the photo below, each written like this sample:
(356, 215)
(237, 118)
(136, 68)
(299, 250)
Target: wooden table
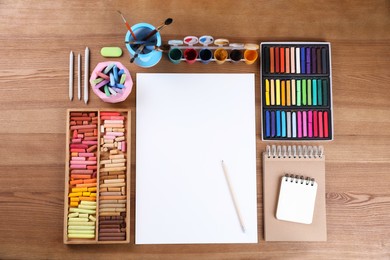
(36, 38)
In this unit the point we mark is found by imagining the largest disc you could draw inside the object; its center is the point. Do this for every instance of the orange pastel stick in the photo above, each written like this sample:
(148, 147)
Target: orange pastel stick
(81, 176)
(90, 180)
(86, 185)
(76, 182)
(281, 60)
(88, 198)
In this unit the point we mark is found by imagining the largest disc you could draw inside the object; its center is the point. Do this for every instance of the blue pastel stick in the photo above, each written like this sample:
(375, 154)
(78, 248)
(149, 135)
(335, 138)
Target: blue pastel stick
(119, 85)
(308, 60)
(121, 72)
(278, 124)
(267, 124)
(283, 124)
(319, 92)
(115, 71)
(314, 92)
(272, 123)
(303, 64)
(112, 80)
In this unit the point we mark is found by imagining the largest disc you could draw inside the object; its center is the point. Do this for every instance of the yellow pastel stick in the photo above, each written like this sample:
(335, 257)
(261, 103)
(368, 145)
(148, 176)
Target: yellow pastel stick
(272, 93)
(74, 204)
(78, 220)
(73, 215)
(88, 211)
(81, 227)
(91, 189)
(92, 218)
(74, 199)
(79, 189)
(93, 195)
(288, 93)
(81, 206)
(83, 215)
(78, 223)
(81, 235)
(81, 231)
(84, 202)
(75, 194)
(267, 92)
(278, 92)
(86, 193)
(283, 88)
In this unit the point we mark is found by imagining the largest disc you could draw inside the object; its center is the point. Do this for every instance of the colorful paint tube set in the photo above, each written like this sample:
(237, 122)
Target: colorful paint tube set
(97, 177)
(221, 52)
(296, 91)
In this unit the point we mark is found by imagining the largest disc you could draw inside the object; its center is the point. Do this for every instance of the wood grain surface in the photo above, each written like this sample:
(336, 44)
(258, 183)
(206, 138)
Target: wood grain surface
(36, 38)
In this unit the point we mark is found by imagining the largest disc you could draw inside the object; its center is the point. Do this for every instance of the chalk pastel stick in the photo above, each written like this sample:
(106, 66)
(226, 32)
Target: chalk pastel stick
(273, 132)
(304, 100)
(283, 119)
(308, 60)
(310, 123)
(304, 124)
(319, 86)
(288, 92)
(320, 125)
(277, 60)
(293, 93)
(315, 123)
(314, 87)
(303, 61)
(299, 95)
(287, 60)
(324, 60)
(267, 61)
(294, 124)
(292, 59)
(325, 92)
(267, 99)
(313, 60)
(299, 124)
(319, 67)
(298, 60)
(309, 92)
(326, 125)
(283, 92)
(272, 92)
(288, 123)
(278, 124)
(277, 92)
(282, 67)
(267, 124)
(272, 59)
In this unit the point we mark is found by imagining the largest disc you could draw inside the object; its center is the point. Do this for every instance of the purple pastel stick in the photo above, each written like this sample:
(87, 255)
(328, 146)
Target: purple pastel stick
(313, 60)
(308, 58)
(101, 84)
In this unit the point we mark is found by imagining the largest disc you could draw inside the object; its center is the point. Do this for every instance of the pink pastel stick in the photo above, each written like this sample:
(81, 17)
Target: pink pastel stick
(83, 162)
(110, 137)
(74, 127)
(78, 166)
(90, 142)
(299, 124)
(92, 167)
(75, 134)
(80, 136)
(76, 141)
(80, 146)
(123, 146)
(78, 158)
(310, 123)
(110, 113)
(92, 159)
(320, 124)
(304, 121)
(115, 133)
(81, 171)
(84, 154)
(112, 117)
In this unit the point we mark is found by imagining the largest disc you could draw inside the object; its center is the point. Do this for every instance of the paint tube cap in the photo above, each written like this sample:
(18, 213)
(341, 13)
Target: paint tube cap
(175, 42)
(236, 45)
(191, 40)
(206, 40)
(221, 42)
(251, 46)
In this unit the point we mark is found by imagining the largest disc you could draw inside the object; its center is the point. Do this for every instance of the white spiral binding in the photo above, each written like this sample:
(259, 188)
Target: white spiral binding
(299, 179)
(283, 151)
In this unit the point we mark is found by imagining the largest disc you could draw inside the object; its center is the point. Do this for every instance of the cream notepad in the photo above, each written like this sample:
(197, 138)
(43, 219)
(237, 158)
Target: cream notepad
(297, 199)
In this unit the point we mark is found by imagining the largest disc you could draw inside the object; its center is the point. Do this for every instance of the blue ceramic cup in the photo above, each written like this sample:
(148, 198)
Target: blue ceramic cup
(149, 56)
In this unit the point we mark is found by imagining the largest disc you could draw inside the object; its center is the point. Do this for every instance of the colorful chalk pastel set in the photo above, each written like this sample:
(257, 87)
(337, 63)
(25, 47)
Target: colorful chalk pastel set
(97, 177)
(205, 53)
(296, 88)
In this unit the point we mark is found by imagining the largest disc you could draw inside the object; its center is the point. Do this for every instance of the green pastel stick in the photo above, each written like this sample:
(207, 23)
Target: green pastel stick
(319, 91)
(309, 92)
(81, 235)
(78, 220)
(78, 223)
(299, 95)
(325, 92)
(304, 92)
(81, 227)
(86, 202)
(81, 231)
(123, 78)
(106, 91)
(96, 81)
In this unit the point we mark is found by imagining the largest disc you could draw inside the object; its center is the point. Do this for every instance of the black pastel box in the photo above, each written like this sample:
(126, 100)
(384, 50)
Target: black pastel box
(296, 89)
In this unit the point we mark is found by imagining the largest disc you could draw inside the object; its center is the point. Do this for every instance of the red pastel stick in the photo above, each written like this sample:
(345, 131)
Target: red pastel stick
(272, 58)
(326, 130)
(315, 123)
(277, 52)
(110, 113)
(320, 124)
(281, 60)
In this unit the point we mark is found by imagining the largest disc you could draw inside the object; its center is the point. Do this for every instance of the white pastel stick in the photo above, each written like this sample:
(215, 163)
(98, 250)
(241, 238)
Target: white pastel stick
(79, 76)
(86, 74)
(71, 75)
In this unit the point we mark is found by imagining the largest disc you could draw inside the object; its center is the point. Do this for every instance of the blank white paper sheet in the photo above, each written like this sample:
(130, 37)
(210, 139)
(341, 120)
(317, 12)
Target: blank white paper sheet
(186, 125)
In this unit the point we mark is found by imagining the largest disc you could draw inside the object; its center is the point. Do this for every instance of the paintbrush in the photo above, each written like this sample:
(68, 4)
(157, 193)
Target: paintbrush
(141, 42)
(127, 25)
(167, 22)
(137, 52)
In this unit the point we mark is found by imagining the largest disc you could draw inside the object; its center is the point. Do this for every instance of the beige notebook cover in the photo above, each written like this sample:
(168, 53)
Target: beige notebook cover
(298, 160)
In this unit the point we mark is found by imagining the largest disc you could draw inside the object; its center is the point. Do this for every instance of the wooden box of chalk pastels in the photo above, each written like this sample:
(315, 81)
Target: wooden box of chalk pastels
(97, 176)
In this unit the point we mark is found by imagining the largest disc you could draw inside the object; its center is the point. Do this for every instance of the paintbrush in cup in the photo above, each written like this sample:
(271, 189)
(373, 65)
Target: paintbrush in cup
(159, 28)
(127, 25)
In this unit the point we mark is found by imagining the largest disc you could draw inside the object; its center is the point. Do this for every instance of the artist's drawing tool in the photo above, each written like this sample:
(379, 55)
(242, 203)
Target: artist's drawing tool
(292, 52)
(282, 60)
(325, 92)
(127, 25)
(267, 99)
(308, 60)
(313, 61)
(315, 123)
(137, 52)
(299, 124)
(272, 59)
(319, 82)
(277, 60)
(283, 92)
(324, 61)
(284, 130)
(310, 123)
(293, 93)
(314, 87)
(304, 123)
(71, 76)
(288, 116)
(304, 103)
(267, 59)
(298, 60)
(273, 123)
(232, 194)
(309, 92)
(86, 74)
(79, 76)
(320, 124)
(278, 124)
(299, 95)
(287, 60)
(319, 67)
(303, 62)
(272, 92)
(288, 92)
(147, 43)
(277, 92)
(267, 123)
(326, 126)
(159, 28)
(294, 124)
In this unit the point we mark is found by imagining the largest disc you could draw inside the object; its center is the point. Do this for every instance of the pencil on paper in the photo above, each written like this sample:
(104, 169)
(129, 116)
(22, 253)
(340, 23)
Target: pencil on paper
(71, 75)
(86, 74)
(79, 76)
(233, 196)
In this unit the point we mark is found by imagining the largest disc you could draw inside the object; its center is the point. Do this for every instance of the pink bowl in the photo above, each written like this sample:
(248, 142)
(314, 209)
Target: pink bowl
(119, 97)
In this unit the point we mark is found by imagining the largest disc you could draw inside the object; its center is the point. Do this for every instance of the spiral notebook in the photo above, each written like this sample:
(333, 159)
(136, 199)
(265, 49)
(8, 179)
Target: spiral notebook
(305, 221)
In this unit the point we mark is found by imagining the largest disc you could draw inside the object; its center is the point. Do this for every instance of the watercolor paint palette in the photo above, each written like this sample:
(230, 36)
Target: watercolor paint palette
(296, 89)
(97, 176)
